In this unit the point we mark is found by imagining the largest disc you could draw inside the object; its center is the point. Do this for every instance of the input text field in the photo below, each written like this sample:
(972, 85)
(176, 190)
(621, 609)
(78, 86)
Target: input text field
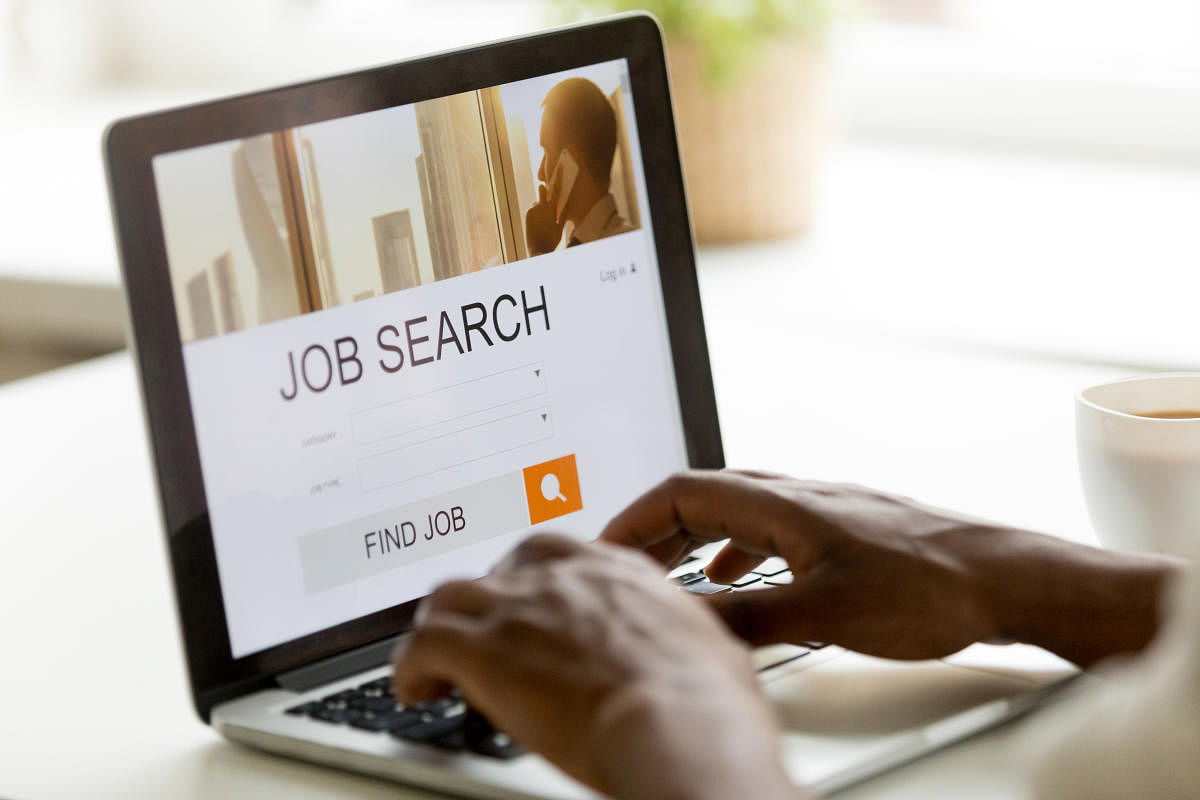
(455, 448)
(451, 402)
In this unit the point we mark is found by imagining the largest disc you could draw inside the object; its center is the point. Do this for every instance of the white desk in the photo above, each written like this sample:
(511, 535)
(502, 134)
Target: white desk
(97, 703)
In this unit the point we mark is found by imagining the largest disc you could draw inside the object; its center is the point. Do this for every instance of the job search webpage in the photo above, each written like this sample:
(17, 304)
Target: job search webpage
(401, 460)
(405, 346)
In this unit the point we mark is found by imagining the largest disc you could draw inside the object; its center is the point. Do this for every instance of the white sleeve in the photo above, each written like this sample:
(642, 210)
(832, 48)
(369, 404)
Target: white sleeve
(1137, 732)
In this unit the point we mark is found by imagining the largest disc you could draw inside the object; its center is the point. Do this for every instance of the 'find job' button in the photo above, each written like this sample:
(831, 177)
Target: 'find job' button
(380, 542)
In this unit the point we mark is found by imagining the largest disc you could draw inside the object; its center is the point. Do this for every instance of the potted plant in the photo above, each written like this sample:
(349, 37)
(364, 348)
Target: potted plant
(747, 80)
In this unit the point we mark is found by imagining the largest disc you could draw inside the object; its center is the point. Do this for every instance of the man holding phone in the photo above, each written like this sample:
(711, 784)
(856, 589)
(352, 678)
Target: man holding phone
(578, 139)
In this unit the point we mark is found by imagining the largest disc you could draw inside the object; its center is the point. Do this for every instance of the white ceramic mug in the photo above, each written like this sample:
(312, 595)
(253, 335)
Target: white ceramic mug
(1141, 475)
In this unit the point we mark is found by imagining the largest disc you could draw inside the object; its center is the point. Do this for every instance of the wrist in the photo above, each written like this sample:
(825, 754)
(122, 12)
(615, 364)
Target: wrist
(1082, 603)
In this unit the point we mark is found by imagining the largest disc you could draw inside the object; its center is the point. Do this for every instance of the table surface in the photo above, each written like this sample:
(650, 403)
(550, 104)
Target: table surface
(88, 610)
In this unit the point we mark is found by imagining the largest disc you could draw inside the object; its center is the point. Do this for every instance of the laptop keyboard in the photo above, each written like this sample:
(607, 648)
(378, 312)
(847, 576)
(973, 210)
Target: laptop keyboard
(448, 724)
(445, 723)
(772, 572)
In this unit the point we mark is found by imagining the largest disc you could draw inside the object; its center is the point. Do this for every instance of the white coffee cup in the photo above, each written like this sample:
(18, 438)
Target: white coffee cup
(1141, 475)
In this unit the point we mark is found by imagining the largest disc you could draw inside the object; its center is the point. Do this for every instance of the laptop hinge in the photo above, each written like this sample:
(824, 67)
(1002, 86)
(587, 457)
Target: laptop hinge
(336, 667)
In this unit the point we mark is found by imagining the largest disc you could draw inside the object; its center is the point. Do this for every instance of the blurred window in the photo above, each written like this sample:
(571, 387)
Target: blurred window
(1101, 75)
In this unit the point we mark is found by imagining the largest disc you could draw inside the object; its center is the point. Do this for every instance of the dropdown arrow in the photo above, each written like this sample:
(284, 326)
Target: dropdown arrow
(537, 372)
(543, 417)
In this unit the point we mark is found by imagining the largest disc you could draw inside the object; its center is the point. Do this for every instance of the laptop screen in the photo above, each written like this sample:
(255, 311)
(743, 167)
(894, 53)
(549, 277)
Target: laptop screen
(414, 334)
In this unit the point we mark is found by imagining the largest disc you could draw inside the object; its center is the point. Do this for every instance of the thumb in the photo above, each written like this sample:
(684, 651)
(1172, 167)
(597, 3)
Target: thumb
(731, 563)
(766, 616)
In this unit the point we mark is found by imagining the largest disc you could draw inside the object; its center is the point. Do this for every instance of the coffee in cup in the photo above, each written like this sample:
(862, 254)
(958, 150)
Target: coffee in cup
(1139, 460)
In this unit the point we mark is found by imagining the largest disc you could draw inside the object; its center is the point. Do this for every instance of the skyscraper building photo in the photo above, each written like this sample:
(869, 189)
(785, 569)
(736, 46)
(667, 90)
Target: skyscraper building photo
(397, 251)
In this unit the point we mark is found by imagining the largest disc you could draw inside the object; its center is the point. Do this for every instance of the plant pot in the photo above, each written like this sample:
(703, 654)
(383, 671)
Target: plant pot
(750, 144)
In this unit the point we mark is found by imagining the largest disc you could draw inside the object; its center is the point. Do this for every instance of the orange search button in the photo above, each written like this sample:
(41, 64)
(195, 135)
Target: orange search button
(552, 489)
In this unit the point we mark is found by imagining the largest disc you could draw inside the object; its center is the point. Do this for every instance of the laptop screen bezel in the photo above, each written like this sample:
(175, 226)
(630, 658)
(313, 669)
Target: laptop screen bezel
(131, 144)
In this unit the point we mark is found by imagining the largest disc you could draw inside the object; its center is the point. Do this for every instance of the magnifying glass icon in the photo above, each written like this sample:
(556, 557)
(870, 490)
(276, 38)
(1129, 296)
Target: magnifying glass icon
(550, 487)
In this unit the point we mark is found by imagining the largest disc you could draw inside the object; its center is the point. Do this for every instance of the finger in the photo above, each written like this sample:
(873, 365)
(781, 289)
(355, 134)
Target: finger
(636, 559)
(670, 552)
(468, 597)
(767, 616)
(434, 656)
(541, 193)
(731, 563)
(758, 473)
(702, 507)
(539, 548)
(821, 607)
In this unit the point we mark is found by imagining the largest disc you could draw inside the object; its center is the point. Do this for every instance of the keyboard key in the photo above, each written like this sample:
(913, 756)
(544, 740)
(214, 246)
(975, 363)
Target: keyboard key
(371, 722)
(388, 721)
(341, 699)
(384, 684)
(454, 740)
(688, 578)
(782, 579)
(705, 588)
(746, 580)
(375, 704)
(814, 645)
(772, 566)
(438, 706)
(305, 708)
(335, 715)
(497, 745)
(429, 730)
(485, 740)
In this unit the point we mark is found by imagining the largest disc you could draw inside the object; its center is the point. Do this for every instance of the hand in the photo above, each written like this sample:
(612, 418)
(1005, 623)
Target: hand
(888, 576)
(586, 655)
(543, 230)
(873, 572)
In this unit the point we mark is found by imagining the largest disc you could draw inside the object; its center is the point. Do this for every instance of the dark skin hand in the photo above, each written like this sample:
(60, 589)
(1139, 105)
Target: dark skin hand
(583, 653)
(888, 576)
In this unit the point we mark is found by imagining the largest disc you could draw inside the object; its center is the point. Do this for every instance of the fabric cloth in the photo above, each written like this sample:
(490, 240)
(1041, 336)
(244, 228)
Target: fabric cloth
(601, 221)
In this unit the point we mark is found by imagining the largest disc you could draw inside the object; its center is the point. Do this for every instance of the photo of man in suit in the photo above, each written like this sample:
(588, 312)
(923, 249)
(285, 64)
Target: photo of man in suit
(578, 139)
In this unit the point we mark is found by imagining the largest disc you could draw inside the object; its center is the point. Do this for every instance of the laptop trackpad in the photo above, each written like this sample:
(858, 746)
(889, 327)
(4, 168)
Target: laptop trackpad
(853, 715)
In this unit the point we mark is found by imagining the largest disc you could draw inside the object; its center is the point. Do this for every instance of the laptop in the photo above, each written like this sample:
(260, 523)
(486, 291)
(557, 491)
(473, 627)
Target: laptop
(387, 324)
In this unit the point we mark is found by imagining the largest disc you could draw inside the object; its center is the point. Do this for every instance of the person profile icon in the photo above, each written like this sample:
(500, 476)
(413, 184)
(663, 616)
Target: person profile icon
(578, 138)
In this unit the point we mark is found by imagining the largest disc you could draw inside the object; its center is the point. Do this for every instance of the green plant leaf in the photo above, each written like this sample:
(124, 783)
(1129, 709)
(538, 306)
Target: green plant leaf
(728, 33)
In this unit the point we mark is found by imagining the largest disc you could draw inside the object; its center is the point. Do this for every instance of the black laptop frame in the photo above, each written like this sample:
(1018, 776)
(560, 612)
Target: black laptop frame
(130, 144)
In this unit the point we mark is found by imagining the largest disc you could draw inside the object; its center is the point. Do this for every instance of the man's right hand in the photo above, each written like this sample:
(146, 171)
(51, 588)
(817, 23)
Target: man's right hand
(887, 576)
(542, 228)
